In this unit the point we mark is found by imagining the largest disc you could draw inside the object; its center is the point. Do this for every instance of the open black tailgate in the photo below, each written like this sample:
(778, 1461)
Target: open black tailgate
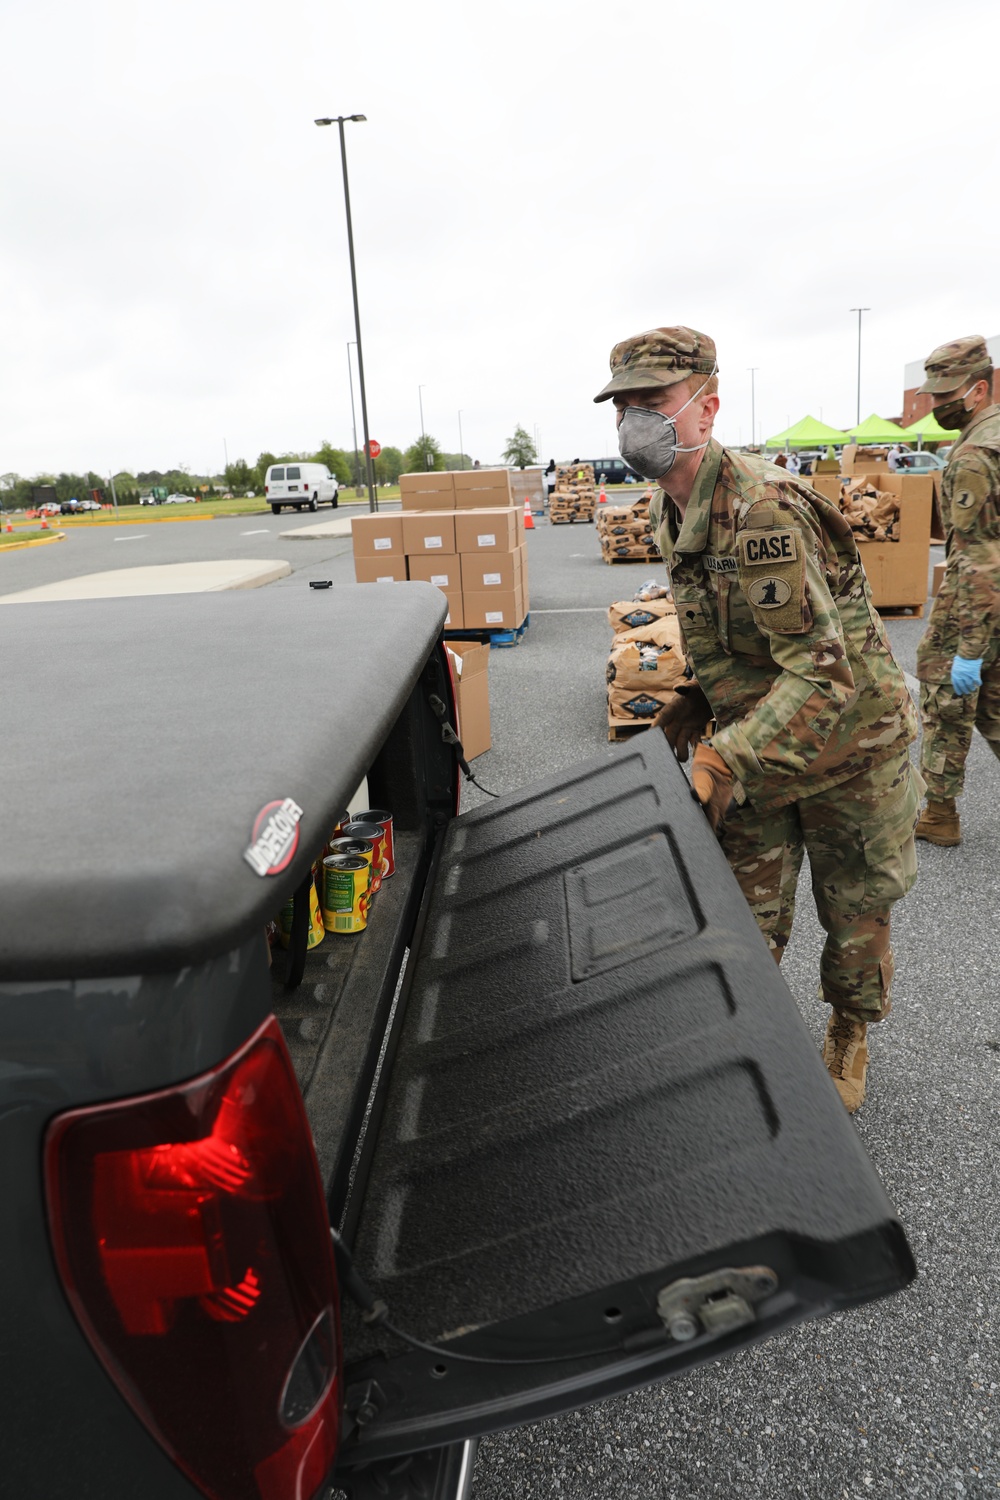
(609, 1148)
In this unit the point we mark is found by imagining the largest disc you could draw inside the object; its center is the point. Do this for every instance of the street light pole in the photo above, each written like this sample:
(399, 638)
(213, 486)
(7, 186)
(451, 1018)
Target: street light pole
(354, 424)
(423, 438)
(461, 444)
(753, 404)
(859, 311)
(339, 121)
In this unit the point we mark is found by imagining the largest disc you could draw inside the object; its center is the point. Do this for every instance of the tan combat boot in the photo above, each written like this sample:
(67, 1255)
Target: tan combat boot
(845, 1052)
(938, 823)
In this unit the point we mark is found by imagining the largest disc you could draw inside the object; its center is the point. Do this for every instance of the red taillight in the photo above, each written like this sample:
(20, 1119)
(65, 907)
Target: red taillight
(192, 1237)
(266, 488)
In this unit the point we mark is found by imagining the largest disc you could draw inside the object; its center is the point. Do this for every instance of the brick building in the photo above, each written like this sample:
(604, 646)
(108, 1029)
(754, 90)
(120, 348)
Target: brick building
(915, 407)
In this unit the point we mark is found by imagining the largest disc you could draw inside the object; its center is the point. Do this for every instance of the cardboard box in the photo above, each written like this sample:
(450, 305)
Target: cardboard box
(938, 579)
(431, 491)
(494, 609)
(377, 535)
(443, 571)
(388, 569)
(897, 571)
(428, 531)
(487, 530)
(827, 485)
(475, 488)
(471, 669)
(497, 570)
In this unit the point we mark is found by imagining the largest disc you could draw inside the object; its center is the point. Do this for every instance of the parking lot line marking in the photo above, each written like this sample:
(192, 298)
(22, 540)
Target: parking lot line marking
(593, 609)
(262, 532)
(137, 538)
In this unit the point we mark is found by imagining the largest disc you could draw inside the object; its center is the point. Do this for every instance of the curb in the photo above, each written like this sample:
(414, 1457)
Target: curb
(39, 541)
(138, 521)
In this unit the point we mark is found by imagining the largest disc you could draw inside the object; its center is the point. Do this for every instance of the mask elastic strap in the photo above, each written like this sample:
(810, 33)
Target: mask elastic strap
(697, 446)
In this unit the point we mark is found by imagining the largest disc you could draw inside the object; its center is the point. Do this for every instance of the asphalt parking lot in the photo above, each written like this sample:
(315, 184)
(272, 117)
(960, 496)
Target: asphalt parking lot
(897, 1398)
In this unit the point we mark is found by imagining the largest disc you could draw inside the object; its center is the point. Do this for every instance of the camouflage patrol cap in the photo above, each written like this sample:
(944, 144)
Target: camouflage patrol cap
(952, 365)
(659, 357)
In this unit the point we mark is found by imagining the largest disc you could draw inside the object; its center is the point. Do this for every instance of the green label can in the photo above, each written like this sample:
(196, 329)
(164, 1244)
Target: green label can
(345, 892)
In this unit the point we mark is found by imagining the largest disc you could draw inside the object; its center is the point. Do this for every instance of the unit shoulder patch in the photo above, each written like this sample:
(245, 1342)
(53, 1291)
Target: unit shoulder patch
(772, 575)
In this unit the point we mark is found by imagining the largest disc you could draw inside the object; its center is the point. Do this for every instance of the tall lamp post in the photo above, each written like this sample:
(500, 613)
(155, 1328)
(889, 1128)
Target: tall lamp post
(753, 404)
(339, 121)
(354, 424)
(423, 439)
(461, 445)
(859, 311)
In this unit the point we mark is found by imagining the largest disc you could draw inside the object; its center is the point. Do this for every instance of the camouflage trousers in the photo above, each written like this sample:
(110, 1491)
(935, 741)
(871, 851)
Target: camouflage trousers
(948, 722)
(862, 858)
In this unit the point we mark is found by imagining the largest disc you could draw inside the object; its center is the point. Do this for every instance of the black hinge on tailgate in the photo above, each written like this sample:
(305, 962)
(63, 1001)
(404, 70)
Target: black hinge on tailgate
(609, 1148)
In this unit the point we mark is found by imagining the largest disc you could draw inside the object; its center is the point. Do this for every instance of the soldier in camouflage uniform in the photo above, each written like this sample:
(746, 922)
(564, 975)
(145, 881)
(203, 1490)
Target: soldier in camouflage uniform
(957, 660)
(811, 718)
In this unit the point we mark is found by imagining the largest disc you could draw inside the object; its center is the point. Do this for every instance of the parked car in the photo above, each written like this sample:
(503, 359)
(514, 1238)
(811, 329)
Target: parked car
(70, 507)
(150, 500)
(50, 508)
(611, 470)
(179, 500)
(299, 486)
(555, 1099)
(922, 462)
(90, 505)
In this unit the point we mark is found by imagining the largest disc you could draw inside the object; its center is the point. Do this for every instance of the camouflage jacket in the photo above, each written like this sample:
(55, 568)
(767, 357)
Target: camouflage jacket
(780, 630)
(965, 619)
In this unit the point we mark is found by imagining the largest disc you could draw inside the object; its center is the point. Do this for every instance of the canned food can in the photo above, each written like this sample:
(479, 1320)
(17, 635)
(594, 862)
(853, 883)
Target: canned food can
(317, 927)
(342, 820)
(364, 847)
(345, 892)
(375, 835)
(379, 818)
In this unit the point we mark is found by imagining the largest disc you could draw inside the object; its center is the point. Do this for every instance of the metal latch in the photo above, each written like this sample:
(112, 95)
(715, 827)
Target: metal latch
(718, 1302)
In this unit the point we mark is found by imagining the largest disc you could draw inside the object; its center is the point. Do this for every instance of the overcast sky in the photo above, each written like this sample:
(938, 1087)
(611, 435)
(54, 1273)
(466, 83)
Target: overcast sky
(534, 182)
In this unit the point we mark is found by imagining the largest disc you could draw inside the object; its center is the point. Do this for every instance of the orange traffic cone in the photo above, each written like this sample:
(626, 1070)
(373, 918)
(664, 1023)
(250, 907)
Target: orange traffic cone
(10, 525)
(529, 520)
(602, 498)
(45, 524)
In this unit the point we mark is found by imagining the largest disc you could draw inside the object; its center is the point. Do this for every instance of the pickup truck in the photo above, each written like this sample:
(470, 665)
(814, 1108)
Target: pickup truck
(548, 1129)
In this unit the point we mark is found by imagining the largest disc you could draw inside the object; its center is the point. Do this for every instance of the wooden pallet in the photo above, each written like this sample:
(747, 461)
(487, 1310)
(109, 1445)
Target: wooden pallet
(568, 520)
(650, 561)
(902, 611)
(491, 637)
(624, 729)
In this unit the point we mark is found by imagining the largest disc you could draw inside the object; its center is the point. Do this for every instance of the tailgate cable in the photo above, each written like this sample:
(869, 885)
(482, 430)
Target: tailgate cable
(375, 1313)
(451, 738)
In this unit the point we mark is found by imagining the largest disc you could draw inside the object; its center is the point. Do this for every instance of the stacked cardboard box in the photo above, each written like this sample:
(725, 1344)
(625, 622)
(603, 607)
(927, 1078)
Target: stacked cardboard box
(646, 660)
(470, 669)
(528, 484)
(476, 556)
(574, 496)
(625, 532)
(897, 569)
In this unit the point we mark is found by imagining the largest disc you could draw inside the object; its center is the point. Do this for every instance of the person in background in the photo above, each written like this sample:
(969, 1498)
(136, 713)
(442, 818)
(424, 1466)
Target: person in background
(782, 460)
(550, 477)
(894, 455)
(958, 660)
(793, 464)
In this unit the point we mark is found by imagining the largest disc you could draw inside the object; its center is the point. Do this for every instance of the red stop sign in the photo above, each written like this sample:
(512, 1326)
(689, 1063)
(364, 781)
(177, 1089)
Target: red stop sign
(374, 449)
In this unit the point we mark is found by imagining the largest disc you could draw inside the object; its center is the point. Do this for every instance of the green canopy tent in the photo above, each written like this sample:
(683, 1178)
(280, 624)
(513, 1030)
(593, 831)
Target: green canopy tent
(808, 433)
(878, 430)
(928, 431)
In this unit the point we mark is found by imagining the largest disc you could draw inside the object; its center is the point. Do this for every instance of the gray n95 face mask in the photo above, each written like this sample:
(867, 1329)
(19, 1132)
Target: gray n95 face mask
(647, 440)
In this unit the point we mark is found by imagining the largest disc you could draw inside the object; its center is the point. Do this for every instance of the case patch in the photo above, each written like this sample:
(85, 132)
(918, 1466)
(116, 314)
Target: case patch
(759, 547)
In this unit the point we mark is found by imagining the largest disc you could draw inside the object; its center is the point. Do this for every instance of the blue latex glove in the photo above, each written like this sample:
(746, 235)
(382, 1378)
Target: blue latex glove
(966, 676)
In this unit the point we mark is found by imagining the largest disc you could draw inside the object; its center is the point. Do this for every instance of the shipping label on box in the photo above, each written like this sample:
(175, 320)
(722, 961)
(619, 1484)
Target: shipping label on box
(443, 571)
(377, 535)
(380, 569)
(428, 532)
(489, 529)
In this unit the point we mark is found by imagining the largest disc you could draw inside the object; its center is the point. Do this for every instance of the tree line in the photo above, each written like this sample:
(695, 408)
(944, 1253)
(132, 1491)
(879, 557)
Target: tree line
(241, 478)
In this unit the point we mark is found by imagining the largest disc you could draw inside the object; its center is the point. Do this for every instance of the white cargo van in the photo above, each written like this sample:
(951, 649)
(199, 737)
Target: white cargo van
(304, 486)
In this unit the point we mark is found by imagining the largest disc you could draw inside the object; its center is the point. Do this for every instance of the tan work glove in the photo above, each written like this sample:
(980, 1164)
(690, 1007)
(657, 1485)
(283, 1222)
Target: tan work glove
(712, 783)
(684, 719)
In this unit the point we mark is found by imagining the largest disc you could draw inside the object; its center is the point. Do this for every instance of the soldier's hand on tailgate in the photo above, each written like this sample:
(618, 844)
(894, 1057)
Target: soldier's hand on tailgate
(683, 720)
(712, 783)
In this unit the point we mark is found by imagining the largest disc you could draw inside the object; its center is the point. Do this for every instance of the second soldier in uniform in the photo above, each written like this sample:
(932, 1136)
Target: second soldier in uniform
(811, 719)
(957, 660)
